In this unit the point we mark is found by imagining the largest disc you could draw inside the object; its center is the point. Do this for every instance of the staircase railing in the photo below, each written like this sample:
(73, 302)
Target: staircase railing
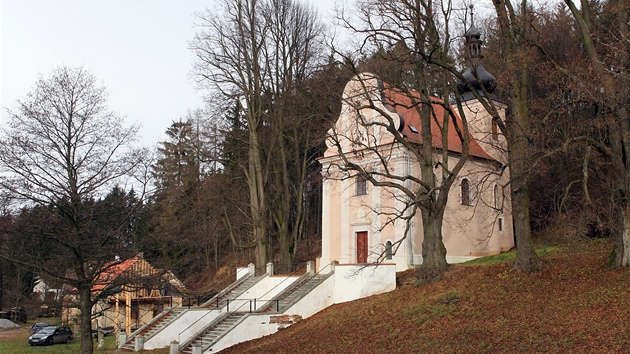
(179, 336)
(214, 323)
(253, 301)
(217, 298)
(302, 281)
(282, 282)
(149, 324)
(252, 305)
(209, 327)
(237, 305)
(231, 287)
(249, 306)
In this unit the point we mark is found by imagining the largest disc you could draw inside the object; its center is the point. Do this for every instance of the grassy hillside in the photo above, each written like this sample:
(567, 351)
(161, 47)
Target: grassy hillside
(573, 304)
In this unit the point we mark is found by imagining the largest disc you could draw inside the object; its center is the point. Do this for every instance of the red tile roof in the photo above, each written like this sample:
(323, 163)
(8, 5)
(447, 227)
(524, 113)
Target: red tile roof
(112, 271)
(402, 104)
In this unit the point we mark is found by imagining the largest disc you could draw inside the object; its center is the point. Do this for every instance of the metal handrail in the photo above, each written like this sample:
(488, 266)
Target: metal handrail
(180, 333)
(300, 283)
(249, 301)
(215, 322)
(227, 289)
(209, 327)
(146, 325)
(254, 301)
(238, 308)
(232, 286)
(277, 285)
(218, 297)
(278, 297)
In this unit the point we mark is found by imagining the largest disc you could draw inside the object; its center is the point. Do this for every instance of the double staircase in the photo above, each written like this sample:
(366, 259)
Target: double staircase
(214, 331)
(167, 317)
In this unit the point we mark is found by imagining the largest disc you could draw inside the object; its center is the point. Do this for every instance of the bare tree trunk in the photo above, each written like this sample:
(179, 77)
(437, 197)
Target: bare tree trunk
(620, 256)
(620, 141)
(511, 24)
(283, 214)
(433, 251)
(85, 327)
(525, 256)
(1, 282)
(519, 170)
(257, 200)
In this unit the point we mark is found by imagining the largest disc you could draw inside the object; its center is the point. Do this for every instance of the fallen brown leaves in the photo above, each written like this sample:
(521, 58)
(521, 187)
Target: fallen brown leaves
(572, 304)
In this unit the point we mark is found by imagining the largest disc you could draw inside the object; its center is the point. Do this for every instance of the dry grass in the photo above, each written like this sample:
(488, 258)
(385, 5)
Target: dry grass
(572, 304)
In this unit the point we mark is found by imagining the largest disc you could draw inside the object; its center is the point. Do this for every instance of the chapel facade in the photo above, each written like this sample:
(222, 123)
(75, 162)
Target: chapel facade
(363, 223)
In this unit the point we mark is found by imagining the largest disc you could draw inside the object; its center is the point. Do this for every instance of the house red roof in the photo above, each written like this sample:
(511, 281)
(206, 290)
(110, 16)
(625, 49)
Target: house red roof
(112, 271)
(401, 103)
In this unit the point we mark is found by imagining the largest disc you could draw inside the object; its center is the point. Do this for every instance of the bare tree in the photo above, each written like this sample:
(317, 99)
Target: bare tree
(229, 61)
(293, 50)
(63, 148)
(258, 53)
(515, 29)
(607, 85)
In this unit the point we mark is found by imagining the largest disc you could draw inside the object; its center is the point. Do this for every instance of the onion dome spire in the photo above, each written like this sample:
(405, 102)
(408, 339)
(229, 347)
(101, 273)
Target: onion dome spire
(475, 74)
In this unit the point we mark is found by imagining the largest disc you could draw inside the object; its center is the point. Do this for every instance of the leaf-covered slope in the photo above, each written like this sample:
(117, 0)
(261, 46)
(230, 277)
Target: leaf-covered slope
(573, 304)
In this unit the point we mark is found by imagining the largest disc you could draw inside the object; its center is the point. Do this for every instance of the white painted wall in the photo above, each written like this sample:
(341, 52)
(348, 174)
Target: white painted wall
(315, 301)
(354, 282)
(253, 326)
(241, 272)
(172, 332)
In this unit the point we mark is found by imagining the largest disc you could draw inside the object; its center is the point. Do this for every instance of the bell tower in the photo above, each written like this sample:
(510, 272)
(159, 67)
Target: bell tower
(477, 78)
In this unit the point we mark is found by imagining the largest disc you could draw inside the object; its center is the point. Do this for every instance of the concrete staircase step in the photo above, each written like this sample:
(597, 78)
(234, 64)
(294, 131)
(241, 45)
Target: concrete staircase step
(209, 336)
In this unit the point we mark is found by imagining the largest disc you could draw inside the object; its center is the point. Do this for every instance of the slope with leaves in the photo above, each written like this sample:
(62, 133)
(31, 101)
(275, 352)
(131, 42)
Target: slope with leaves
(572, 304)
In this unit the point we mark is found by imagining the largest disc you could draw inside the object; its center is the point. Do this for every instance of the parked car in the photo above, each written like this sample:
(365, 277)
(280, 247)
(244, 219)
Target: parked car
(39, 325)
(50, 335)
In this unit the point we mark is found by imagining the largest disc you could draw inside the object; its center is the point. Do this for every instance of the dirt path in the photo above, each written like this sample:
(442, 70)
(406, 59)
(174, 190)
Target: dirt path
(11, 332)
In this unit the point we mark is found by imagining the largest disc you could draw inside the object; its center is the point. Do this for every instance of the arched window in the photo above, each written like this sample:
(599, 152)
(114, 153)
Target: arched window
(495, 130)
(465, 192)
(360, 186)
(388, 250)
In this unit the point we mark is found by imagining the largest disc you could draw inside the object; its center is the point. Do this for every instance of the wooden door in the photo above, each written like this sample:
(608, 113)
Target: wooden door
(362, 247)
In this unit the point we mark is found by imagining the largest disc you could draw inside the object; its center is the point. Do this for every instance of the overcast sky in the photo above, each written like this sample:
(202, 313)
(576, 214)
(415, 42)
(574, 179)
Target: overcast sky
(138, 49)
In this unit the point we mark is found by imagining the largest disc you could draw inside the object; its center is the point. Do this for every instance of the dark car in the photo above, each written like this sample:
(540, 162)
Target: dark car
(39, 325)
(50, 335)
